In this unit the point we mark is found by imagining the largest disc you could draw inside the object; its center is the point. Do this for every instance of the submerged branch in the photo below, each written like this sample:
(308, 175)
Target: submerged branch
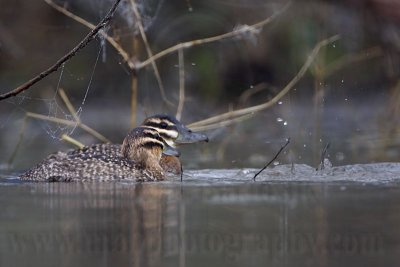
(323, 157)
(272, 160)
(92, 34)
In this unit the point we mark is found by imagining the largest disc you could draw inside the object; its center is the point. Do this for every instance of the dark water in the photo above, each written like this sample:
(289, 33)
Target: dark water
(200, 223)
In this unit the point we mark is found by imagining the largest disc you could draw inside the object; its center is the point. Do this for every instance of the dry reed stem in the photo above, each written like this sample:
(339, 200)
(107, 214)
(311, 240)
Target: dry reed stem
(72, 141)
(134, 92)
(240, 112)
(52, 119)
(69, 123)
(220, 124)
(346, 60)
(69, 105)
(244, 97)
(20, 139)
(134, 86)
(240, 31)
(77, 121)
(149, 52)
(84, 22)
(88, 38)
(181, 84)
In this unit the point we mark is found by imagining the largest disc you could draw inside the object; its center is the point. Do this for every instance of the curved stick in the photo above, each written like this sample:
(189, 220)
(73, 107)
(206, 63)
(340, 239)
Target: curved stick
(91, 35)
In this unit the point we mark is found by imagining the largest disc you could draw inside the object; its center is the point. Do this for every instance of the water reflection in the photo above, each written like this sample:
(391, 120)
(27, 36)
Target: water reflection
(169, 224)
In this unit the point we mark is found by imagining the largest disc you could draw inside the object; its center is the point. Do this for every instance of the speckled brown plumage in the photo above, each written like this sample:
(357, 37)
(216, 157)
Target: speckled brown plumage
(101, 162)
(139, 158)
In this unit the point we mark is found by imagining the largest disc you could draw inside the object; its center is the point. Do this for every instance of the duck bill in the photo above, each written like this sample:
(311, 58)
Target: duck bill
(188, 137)
(170, 151)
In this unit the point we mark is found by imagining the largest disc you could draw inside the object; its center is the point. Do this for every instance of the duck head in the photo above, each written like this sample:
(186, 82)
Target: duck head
(145, 146)
(173, 131)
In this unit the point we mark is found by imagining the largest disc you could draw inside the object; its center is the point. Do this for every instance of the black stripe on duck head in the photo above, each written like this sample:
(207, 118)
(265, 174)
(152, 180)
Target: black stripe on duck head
(173, 131)
(144, 145)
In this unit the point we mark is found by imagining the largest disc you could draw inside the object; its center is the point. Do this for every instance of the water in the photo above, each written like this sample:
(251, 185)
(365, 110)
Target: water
(291, 216)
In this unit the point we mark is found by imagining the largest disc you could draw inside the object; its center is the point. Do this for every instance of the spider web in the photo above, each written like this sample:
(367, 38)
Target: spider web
(55, 107)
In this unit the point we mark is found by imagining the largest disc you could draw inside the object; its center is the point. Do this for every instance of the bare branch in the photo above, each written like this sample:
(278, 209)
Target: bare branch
(149, 52)
(347, 60)
(237, 32)
(71, 140)
(240, 112)
(220, 124)
(110, 39)
(92, 34)
(181, 84)
(69, 105)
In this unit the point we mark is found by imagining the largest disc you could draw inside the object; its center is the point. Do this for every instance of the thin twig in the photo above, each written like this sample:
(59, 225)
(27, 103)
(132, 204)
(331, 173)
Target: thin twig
(69, 105)
(20, 139)
(272, 160)
(220, 124)
(149, 52)
(92, 34)
(240, 112)
(240, 31)
(181, 84)
(69, 123)
(181, 172)
(110, 39)
(323, 156)
(347, 60)
(243, 98)
(52, 119)
(71, 140)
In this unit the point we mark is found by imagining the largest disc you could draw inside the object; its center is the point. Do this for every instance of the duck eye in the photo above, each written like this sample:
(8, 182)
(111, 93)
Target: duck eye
(163, 125)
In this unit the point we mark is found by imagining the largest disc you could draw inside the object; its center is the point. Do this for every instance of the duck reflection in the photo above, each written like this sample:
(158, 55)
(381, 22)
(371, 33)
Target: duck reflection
(170, 224)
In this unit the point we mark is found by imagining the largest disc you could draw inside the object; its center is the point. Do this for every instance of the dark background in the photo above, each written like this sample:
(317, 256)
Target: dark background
(354, 108)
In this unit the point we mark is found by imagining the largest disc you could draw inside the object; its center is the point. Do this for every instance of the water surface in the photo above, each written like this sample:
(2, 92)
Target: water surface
(291, 216)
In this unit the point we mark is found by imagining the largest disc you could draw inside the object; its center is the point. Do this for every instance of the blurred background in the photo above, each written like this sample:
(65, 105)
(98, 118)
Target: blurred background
(349, 97)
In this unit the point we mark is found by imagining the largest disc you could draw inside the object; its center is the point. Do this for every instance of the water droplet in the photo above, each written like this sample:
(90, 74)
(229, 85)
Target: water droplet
(193, 64)
(285, 123)
(279, 119)
(333, 45)
(339, 156)
(342, 81)
(345, 99)
(304, 145)
(280, 103)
